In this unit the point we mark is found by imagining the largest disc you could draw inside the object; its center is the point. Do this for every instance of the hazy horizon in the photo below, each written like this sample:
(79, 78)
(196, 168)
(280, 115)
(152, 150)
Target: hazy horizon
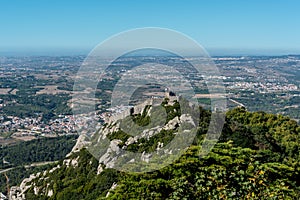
(86, 51)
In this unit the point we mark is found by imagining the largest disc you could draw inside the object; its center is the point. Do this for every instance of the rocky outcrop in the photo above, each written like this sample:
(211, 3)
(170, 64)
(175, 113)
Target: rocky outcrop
(81, 142)
(111, 155)
(114, 149)
(114, 185)
(18, 193)
(71, 162)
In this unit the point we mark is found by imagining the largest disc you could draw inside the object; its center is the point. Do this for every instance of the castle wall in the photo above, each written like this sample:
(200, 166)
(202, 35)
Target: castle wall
(138, 109)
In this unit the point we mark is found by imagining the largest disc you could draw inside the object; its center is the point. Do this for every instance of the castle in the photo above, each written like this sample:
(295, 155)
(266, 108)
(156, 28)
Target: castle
(125, 111)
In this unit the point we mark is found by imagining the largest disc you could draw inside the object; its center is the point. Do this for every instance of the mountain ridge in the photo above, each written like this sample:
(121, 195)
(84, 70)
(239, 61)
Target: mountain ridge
(257, 157)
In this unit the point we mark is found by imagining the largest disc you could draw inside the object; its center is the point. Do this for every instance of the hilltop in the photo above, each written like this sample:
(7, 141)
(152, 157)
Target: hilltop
(256, 157)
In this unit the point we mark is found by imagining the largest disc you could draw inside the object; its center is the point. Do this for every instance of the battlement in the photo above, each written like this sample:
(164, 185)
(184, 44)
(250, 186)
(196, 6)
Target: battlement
(129, 110)
(124, 111)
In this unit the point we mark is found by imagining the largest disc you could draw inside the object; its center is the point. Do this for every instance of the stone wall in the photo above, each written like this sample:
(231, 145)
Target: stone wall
(137, 109)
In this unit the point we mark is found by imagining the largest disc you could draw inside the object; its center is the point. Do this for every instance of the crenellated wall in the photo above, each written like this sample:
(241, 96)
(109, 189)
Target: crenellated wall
(138, 109)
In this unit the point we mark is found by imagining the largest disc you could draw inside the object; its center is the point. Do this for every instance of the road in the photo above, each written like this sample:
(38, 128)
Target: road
(28, 166)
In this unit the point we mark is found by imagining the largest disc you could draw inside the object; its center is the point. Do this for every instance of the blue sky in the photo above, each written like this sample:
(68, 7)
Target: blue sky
(218, 25)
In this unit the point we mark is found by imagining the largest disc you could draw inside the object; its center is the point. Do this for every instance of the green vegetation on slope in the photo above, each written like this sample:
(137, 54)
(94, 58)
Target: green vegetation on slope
(257, 157)
(39, 150)
(34, 151)
(78, 182)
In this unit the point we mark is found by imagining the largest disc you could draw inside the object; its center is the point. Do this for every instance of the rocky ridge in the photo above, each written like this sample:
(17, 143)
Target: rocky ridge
(115, 150)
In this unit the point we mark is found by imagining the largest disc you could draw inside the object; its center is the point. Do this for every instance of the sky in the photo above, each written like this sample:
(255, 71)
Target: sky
(220, 26)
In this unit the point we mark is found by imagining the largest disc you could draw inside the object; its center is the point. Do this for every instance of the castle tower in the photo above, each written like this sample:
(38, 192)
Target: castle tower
(167, 93)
